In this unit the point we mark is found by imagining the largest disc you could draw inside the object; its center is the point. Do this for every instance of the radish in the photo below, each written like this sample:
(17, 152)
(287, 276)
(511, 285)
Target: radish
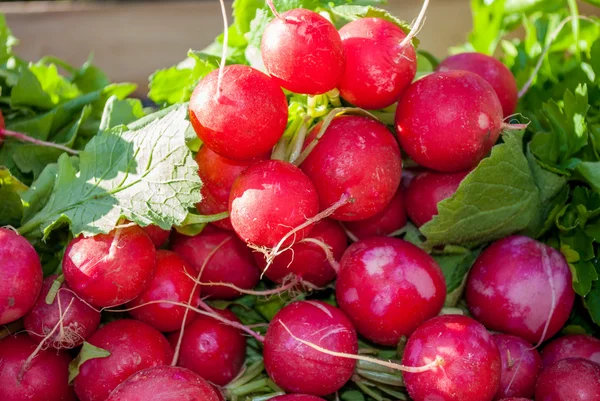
(296, 397)
(44, 378)
(571, 346)
(493, 71)
(211, 349)
(522, 287)
(388, 287)
(516, 399)
(303, 52)
(571, 379)
(65, 323)
(298, 368)
(449, 121)
(470, 368)
(174, 282)
(157, 235)
(20, 276)
(520, 366)
(427, 190)
(110, 269)
(133, 346)
(164, 383)
(239, 113)
(358, 157)
(389, 220)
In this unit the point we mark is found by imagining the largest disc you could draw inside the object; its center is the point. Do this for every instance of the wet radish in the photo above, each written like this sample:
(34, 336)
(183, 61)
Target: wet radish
(389, 220)
(571, 346)
(520, 366)
(571, 379)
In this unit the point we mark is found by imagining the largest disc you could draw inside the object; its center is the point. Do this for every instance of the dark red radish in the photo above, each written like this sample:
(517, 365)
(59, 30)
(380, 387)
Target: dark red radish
(110, 269)
(157, 235)
(296, 397)
(470, 364)
(571, 379)
(174, 282)
(378, 67)
(357, 157)
(269, 199)
(303, 52)
(298, 368)
(211, 349)
(493, 71)
(308, 260)
(428, 189)
(389, 220)
(522, 287)
(65, 323)
(245, 119)
(44, 378)
(164, 383)
(571, 346)
(516, 399)
(388, 287)
(20, 276)
(520, 366)
(449, 121)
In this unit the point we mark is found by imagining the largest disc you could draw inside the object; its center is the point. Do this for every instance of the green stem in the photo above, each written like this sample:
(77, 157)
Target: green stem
(250, 374)
(383, 378)
(393, 392)
(249, 388)
(201, 219)
(61, 63)
(275, 387)
(334, 98)
(266, 397)
(365, 389)
(54, 289)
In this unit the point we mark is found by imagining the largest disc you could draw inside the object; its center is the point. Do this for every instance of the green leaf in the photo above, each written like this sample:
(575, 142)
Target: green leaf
(58, 88)
(39, 192)
(488, 25)
(455, 268)
(254, 37)
(348, 13)
(584, 275)
(7, 40)
(352, 395)
(90, 78)
(34, 158)
(29, 92)
(120, 112)
(87, 352)
(11, 206)
(592, 301)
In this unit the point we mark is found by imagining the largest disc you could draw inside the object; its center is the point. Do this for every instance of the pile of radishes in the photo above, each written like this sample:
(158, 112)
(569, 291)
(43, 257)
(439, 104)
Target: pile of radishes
(317, 215)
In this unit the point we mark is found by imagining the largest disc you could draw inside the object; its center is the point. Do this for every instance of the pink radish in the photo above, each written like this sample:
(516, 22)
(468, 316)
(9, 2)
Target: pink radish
(389, 220)
(296, 397)
(157, 235)
(571, 379)
(516, 399)
(520, 366)
(571, 346)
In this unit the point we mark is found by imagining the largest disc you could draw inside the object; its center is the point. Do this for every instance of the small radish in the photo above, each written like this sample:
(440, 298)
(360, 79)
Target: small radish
(389, 220)
(174, 282)
(296, 397)
(428, 189)
(516, 399)
(298, 368)
(157, 235)
(522, 287)
(520, 366)
(20, 276)
(572, 379)
(470, 364)
(493, 71)
(133, 346)
(303, 52)
(388, 287)
(65, 323)
(110, 269)
(449, 121)
(359, 157)
(44, 378)
(571, 346)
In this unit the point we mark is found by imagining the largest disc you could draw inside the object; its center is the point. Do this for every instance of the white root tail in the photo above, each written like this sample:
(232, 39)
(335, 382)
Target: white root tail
(416, 25)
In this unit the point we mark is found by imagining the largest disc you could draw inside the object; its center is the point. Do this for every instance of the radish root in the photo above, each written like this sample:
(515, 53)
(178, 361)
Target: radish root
(225, 47)
(274, 10)
(292, 283)
(416, 25)
(328, 253)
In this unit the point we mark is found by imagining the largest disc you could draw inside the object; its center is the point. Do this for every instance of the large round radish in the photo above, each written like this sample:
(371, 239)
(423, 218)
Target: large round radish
(378, 69)
(133, 346)
(20, 276)
(69, 319)
(303, 52)
(516, 399)
(164, 383)
(520, 366)
(269, 199)
(572, 379)
(449, 121)
(389, 220)
(388, 287)
(493, 71)
(357, 157)
(245, 119)
(110, 269)
(512, 285)
(571, 346)
(296, 397)
(46, 378)
(470, 362)
(298, 368)
(173, 282)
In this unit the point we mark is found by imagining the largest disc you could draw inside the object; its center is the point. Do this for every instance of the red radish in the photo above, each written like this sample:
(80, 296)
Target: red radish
(571, 346)
(174, 282)
(516, 399)
(133, 346)
(303, 52)
(449, 121)
(359, 157)
(389, 220)
(522, 287)
(20, 276)
(388, 287)
(244, 118)
(307, 259)
(493, 71)
(46, 378)
(65, 323)
(110, 269)
(427, 190)
(269, 199)
(296, 397)
(164, 383)
(379, 67)
(212, 349)
(298, 368)
(157, 235)
(571, 379)
(520, 366)
(470, 367)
